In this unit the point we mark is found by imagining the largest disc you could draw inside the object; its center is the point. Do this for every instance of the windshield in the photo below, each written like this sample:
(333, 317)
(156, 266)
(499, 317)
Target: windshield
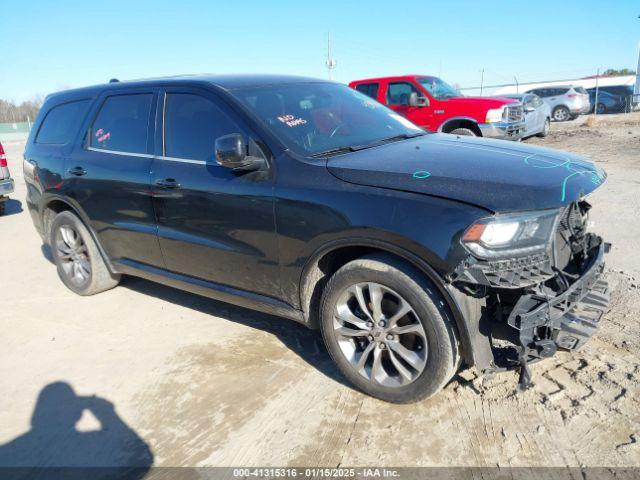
(438, 88)
(312, 118)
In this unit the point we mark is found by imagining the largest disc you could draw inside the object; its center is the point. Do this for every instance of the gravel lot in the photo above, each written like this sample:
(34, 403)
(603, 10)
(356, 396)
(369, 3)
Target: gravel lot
(198, 382)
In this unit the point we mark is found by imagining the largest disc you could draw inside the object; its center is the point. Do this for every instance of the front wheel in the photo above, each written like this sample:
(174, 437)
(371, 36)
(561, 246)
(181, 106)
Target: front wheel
(545, 129)
(388, 329)
(80, 264)
(463, 131)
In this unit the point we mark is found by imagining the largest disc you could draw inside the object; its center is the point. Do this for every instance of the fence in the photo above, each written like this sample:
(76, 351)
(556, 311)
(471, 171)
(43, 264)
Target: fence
(615, 93)
(14, 131)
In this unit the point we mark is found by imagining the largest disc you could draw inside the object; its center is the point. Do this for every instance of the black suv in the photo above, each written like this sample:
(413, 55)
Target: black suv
(412, 252)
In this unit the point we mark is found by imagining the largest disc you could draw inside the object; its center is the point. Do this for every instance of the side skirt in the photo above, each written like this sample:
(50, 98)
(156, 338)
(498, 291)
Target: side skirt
(208, 289)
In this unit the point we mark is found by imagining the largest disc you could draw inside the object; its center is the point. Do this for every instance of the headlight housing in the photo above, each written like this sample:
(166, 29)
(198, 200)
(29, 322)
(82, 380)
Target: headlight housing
(494, 115)
(512, 235)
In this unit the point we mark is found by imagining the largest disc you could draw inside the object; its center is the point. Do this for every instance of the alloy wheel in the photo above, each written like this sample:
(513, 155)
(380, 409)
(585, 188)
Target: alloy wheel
(561, 114)
(380, 335)
(73, 255)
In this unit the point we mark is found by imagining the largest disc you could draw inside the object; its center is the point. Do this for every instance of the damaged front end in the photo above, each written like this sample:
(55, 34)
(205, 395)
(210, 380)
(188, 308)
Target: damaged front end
(535, 284)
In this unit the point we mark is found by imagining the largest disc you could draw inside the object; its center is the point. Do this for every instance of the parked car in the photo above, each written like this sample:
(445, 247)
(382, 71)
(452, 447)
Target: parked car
(411, 252)
(6, 182)
(566, 102)
(606, 102)
(537, 114)
(435, 106)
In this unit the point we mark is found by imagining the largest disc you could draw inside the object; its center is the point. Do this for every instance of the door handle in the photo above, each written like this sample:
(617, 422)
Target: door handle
(77, 171)
(168, 183)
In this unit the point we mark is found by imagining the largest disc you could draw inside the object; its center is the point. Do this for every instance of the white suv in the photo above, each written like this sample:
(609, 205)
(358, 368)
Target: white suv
(566, 102)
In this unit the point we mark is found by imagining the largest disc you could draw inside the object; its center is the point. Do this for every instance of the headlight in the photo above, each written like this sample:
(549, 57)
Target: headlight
(511, 235)
(494, 115)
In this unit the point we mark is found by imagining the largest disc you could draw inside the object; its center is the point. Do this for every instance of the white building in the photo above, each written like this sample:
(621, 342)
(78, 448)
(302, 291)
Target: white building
(589, 82)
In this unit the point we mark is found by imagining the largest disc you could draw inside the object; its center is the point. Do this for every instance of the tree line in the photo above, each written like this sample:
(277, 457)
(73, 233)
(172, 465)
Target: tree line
(13, 112)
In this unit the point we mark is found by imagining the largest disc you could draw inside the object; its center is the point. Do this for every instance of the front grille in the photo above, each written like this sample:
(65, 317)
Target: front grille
(513, 113)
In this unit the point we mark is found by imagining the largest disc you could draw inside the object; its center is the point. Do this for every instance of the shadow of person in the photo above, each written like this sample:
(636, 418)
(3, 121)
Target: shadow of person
(55, 448)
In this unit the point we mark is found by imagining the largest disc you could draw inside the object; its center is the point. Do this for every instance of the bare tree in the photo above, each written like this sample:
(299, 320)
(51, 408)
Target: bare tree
(13, 112)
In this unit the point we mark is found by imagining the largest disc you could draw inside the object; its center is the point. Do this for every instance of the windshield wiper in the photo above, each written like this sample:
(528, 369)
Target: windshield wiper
(334, 151)
(404, 136)
(355, 148)
(395, 138)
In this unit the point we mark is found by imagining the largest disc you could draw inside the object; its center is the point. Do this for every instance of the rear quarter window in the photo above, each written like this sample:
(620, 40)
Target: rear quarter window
(369, 89)
(122, 124)
(61, 123)
(580, 90)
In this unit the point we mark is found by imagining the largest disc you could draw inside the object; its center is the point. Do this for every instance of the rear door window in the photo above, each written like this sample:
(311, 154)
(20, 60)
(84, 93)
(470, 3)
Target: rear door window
(370, 89)
(61, 123)
(122, 124)
(192, 124)
(398, 93)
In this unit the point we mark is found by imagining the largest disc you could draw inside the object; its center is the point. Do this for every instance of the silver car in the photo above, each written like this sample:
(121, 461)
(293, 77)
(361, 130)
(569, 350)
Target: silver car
(566, 102)
(537, 114)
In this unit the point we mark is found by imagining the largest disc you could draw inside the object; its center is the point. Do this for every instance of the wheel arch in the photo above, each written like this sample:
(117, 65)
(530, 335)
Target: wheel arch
(329, 258)
(54, 204)
(461, 122)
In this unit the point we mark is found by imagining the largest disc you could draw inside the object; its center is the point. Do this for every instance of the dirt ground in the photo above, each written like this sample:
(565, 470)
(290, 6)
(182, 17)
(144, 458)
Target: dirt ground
(197, 382)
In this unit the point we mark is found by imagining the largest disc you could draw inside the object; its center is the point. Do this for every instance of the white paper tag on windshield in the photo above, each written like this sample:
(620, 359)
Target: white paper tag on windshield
(404, 121)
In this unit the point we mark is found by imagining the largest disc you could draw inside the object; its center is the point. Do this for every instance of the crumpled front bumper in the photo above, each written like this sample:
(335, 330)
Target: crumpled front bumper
(570, 318)
(503, 130)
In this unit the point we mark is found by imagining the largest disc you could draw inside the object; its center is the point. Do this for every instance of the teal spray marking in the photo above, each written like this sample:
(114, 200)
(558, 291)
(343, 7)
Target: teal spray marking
(572, 169)
(421, 174)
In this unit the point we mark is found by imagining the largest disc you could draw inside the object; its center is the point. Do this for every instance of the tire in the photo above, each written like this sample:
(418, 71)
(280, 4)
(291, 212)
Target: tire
(463, 131)
(601, 108)
(545, 129)
(561, 114)
(78, 260)
(433, 350)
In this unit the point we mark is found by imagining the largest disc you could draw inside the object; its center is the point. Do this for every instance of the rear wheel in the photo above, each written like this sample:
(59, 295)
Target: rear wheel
(388, 330)
(601, 108)
(545, 129)
(561, 114)
(463, 131)
(80, 264)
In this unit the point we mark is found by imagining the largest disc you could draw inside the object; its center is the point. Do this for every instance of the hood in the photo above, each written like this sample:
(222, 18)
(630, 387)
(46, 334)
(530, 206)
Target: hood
(497, 175)
(487, 102)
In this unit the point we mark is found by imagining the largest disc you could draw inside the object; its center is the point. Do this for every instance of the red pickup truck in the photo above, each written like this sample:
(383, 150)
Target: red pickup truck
(435, 106)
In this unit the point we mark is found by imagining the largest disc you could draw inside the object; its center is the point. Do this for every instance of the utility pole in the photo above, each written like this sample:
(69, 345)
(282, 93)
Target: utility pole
(330, 63)
(595, 107)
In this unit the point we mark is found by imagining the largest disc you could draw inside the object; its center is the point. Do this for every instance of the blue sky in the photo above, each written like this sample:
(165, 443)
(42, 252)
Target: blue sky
(51, 45)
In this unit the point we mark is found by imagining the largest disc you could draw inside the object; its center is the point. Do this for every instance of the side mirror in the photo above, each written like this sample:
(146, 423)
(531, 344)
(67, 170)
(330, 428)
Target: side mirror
(416, 101)
(231, 152)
